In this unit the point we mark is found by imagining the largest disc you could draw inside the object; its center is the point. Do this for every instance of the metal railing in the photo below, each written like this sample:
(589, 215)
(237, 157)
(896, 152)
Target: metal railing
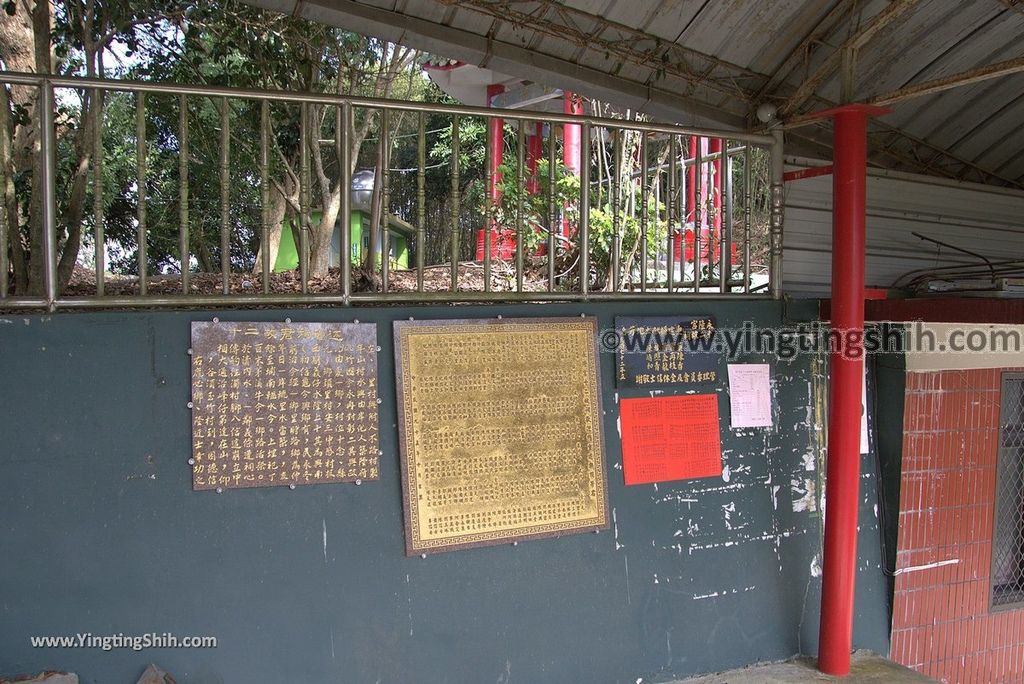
(647, 195)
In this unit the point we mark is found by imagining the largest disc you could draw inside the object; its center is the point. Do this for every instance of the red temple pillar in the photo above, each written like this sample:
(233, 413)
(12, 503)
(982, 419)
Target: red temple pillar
(572, 104)
(847, 374)
(496, 145)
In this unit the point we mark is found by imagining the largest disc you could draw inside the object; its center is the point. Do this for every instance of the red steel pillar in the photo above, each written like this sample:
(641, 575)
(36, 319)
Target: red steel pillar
(847, 374)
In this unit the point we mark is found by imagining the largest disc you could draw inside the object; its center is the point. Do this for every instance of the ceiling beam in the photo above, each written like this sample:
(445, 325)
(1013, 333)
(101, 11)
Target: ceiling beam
(835, 60)
(937, 85)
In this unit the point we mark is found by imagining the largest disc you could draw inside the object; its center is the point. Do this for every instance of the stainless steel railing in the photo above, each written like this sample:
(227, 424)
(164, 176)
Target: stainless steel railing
(660, 206)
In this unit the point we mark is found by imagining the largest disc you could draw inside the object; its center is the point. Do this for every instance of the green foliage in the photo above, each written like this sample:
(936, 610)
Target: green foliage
(605, 221)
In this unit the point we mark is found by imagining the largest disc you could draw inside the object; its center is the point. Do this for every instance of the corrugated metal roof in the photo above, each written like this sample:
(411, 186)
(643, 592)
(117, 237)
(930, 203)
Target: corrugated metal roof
(712, 62)
(982, 219)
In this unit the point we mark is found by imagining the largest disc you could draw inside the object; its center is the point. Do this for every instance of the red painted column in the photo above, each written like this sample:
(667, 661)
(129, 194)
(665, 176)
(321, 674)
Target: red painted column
(496, 143)
(534, 151)
(715, 189)
(847, 373)
(571, 104)
(685, 248)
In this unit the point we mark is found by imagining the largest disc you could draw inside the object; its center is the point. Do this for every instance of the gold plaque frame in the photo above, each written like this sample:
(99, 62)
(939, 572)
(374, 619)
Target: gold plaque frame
(500, 428)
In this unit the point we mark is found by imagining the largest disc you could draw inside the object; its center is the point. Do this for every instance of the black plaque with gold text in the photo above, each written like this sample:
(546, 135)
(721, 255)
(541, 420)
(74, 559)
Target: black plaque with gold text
(500, 430)
(283, 404)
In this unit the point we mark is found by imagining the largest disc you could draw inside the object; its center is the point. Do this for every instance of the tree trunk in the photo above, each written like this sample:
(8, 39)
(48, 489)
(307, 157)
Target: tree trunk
(37, 260)
(278, 206)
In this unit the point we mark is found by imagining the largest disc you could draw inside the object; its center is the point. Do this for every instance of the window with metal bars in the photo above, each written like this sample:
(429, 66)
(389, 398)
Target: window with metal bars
(1008, 536)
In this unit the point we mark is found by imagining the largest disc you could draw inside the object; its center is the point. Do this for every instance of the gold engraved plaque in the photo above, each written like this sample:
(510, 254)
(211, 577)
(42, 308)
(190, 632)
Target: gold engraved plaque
(283, 404)
(500, 428)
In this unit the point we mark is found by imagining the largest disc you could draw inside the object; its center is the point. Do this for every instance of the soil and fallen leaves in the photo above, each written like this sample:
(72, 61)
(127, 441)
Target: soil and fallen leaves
(470, 278)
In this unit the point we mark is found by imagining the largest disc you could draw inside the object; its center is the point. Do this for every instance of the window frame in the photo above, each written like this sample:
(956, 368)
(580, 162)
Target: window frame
(1005, 378)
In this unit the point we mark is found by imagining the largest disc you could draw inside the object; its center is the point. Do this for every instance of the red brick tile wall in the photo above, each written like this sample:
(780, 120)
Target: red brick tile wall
(941, 623)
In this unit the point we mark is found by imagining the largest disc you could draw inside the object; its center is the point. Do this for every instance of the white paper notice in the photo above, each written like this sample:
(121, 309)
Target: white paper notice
(750, 398)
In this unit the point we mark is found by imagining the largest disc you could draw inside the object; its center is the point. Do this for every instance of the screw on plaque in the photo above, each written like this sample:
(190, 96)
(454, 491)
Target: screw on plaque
(287, 320)
(220, 490)
(356, 321)
(499, 317)
(359, 482)
(191, 461)
(378, 347)
(191, 405)
(216, 320)
(423, 556)
(379, 400)
(189, 351)
(291, 486)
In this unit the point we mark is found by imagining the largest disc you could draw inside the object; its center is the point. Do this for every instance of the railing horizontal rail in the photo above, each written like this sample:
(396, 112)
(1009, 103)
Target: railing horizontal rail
(565, 207)
(119, 85)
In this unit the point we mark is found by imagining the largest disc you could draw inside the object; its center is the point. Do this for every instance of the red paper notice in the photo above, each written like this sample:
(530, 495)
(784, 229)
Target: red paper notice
(670, 438)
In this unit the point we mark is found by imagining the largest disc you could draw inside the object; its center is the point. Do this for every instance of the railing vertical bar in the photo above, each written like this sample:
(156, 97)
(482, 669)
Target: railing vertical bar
(305, 179)
(5, 197)
(645, 188)
(345, 162)
(183, 219)
(489, 209)
(421, 198)
(584, 227)
(455, 204)
(98, 228)
(225, 195)
(670, 207)
(520, 190)
(552, 216)
(338, 142)
(777, 214)
(746, 219)
(616, 208)
(140, 179)
(385, 199)
(698, 165)
(265, 193)
(725, 269)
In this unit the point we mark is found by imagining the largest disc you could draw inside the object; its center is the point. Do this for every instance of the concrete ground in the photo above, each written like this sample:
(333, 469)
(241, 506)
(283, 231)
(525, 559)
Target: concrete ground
(865, 667)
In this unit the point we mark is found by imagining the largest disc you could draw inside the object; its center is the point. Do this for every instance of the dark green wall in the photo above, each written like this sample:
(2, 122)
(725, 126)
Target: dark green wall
(101, 532)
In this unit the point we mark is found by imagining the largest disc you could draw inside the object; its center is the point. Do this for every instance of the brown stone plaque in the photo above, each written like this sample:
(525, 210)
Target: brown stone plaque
(283, 404)
(500, 427)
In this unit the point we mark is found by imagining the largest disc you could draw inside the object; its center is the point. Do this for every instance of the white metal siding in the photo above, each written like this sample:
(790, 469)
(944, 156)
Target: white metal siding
(983, 219)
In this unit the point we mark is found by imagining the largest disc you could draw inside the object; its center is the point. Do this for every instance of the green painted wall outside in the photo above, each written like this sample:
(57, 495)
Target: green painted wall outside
(288, 253)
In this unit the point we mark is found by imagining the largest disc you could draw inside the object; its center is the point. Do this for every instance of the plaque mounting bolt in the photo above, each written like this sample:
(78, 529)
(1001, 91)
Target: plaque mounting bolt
(413, 319)
(189, 351)
(191, 461)
(379, 400)
(287, 320)
(378, 347)
(216, 320)
(423, 556)
(191, 405)
(515, 543)
(291, 486)
(499, 317)
(356, 321)
(220, 490)
(358, 482)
